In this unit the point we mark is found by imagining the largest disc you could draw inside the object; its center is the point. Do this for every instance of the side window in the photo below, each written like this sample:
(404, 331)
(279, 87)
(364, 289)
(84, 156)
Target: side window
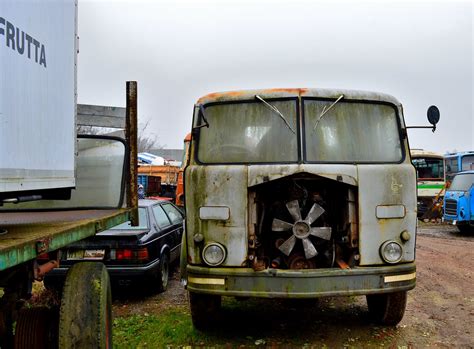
(451, 166)
(160, 216)
(467, 163)
(454, 165)
(173, 213)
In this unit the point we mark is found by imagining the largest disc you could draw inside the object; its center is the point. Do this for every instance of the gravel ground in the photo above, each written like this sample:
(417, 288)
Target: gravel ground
(440, 310)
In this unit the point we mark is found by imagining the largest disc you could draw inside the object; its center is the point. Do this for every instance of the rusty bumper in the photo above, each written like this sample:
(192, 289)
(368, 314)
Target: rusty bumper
(277, 283)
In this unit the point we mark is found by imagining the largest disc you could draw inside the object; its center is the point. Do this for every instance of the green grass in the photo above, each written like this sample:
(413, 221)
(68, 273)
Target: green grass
(338, 322)
(248, 324)
(171, 328)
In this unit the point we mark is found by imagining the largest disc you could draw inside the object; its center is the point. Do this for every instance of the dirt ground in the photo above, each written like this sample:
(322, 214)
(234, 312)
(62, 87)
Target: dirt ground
(440, 310)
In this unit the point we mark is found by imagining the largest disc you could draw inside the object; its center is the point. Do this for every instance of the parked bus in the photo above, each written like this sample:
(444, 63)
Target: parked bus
(457, 162)
(430, 181)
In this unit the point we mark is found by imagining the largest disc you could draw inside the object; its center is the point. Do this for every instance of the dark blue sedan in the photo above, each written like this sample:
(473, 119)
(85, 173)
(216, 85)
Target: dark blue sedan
(131, 254)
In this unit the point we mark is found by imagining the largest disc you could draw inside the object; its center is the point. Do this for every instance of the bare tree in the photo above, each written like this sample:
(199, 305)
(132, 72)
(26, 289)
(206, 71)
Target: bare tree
(146, 142)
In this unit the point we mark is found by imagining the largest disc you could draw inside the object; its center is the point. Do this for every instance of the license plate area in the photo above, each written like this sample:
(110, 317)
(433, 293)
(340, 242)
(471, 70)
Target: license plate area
(96, 255)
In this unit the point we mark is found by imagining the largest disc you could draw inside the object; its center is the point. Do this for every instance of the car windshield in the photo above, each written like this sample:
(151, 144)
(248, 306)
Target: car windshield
(462, 182)
(142, 222)
(249, 132)
(350, 131)
(429, 168)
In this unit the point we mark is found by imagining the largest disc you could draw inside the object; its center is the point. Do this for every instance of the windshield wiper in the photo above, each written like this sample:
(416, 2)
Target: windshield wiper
(206, 124)
(326, 110)
(275, 109)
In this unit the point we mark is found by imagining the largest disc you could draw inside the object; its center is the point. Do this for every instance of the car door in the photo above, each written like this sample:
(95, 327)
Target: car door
(164, 228)
(176, 217)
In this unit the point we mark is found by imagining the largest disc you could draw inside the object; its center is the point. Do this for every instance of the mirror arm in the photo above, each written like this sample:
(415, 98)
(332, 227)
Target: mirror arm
(433, 127)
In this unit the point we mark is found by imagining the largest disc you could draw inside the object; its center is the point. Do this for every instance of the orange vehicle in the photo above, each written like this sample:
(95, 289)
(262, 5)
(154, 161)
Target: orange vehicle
(180, 185)
(167, 173)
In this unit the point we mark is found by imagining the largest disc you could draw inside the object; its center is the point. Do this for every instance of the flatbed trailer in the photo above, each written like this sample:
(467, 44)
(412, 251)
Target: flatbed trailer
(26, 235)
(30, 240)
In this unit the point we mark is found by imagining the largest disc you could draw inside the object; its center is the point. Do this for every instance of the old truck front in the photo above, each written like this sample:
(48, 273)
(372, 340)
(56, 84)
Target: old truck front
(299, 193)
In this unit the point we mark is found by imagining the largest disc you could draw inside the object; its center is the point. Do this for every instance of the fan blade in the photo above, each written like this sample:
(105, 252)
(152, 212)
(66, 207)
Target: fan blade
(294, 209)
(279, 225)
(288, 245)
(315, 212)
(321, 232)
(309, 249)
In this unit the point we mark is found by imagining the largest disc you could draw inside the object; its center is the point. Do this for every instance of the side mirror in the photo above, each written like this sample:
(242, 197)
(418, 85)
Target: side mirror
(433, 116)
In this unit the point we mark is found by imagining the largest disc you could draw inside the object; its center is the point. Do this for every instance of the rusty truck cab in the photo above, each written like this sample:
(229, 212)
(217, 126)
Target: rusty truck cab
(299, 193)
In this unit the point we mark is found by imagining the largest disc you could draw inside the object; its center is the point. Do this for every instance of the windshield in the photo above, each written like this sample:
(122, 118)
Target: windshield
(462, 182)
(142, 222)
(467, 163)
(429, 168)
(351, 132)
(249, 132)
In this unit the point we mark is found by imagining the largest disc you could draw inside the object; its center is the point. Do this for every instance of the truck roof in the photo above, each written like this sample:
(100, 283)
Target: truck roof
(464, 172)
(424, 153)
(459, 153)
(296, 92)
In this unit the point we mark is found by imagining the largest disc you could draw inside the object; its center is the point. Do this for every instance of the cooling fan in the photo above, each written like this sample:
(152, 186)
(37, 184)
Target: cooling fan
(301, 229)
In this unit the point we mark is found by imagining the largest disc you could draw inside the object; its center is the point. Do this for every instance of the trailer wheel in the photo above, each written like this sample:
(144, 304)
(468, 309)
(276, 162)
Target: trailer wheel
(85, 319)
(387, 308)
(36, 327)
(205, 310)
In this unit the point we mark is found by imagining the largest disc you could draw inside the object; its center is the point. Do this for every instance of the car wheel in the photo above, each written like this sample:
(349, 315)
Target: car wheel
(387, 308)
(163, 273)
(205, 310)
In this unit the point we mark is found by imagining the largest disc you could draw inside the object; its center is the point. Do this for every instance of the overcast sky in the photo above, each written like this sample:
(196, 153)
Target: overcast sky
(420, 52)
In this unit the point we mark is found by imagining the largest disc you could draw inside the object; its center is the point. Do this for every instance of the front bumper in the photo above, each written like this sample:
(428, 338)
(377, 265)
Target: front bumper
(277, 283)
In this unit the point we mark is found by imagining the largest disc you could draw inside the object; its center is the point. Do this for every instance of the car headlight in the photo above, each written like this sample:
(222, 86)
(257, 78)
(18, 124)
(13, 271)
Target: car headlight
(391, 252)
(213, 254)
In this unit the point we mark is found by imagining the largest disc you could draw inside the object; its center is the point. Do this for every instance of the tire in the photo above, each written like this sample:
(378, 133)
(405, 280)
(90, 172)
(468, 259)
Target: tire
(205, 310)
(163, 273)
(36, 328)
(387, 308)
(466, 229)
(85, 319)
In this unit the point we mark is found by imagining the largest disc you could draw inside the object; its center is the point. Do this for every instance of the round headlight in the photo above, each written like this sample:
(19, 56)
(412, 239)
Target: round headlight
(213, 254)
(391, 252)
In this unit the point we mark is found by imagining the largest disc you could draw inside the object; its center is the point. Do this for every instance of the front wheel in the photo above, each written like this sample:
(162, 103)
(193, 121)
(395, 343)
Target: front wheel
(466, 229)
(205, 309)
(387, 308)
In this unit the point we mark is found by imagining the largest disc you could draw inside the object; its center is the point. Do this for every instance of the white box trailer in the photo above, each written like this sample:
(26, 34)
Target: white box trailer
(38, 50)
